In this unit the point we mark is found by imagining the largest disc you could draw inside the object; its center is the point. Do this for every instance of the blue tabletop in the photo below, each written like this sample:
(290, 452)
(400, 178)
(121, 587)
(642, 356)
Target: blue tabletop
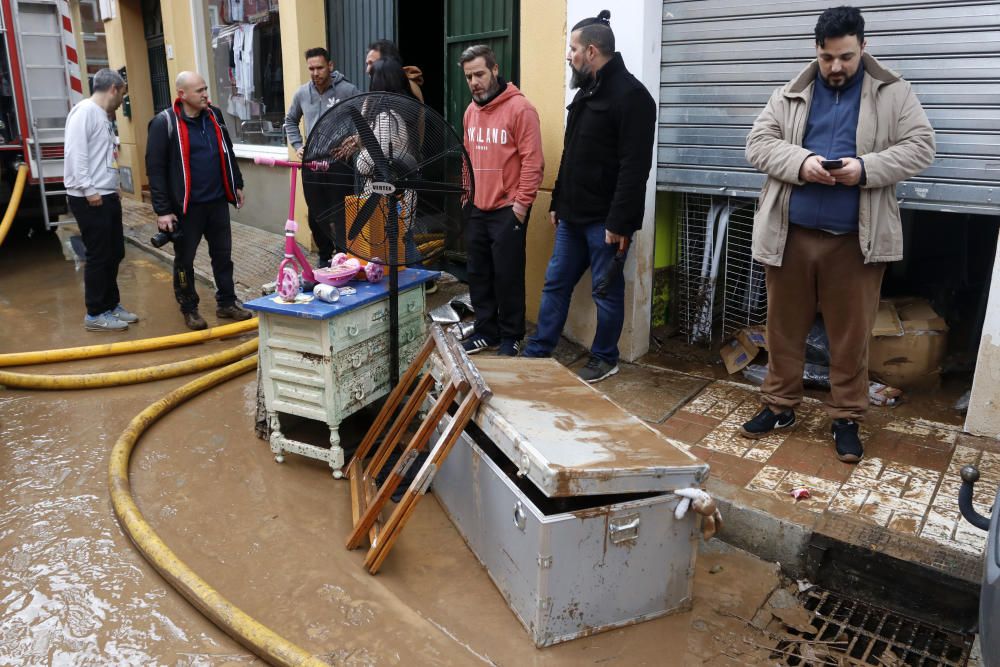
(366, 293)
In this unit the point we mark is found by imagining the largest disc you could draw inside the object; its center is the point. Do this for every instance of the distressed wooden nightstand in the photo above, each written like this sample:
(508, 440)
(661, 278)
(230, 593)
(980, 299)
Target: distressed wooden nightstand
(326, 361)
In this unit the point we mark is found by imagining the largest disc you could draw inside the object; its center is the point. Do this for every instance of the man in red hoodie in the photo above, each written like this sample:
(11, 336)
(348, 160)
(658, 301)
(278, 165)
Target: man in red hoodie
(504, 141)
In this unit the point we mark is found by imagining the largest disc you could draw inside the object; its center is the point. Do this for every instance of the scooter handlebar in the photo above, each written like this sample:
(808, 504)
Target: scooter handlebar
(315, 165)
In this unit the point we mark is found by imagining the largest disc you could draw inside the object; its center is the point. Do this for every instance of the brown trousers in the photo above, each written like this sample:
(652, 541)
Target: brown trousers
(826, 273)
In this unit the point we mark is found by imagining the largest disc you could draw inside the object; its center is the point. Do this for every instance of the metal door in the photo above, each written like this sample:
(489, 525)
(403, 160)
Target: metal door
(351, 26)
(152, 24)
(721, 59)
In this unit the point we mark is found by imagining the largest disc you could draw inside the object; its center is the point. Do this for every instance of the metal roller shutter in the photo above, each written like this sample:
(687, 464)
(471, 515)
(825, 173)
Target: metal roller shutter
(721, 59)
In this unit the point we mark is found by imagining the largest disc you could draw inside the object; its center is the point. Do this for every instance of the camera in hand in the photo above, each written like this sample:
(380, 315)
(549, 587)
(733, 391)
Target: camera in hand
(164, 237)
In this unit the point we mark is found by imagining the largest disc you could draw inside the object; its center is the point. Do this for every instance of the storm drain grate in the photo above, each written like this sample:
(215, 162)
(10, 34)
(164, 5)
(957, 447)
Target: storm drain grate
(851, 632)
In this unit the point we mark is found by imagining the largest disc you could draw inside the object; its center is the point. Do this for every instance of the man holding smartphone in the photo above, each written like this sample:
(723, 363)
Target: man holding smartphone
(834, 142)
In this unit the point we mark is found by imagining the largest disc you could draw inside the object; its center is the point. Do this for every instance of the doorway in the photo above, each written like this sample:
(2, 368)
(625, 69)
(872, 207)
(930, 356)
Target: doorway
(152, 23)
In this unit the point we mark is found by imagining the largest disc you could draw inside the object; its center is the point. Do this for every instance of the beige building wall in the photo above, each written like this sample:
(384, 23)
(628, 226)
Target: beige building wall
(303, 26)
(126, 44)
(543, 81)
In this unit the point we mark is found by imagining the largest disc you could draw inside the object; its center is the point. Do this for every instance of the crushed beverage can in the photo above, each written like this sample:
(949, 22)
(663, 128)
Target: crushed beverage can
(327, 293)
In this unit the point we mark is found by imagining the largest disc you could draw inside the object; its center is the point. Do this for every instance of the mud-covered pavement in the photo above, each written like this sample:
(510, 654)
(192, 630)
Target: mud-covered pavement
(269, 537)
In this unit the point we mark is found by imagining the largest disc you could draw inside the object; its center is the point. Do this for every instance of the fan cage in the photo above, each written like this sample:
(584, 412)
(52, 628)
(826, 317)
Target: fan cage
(398, 178)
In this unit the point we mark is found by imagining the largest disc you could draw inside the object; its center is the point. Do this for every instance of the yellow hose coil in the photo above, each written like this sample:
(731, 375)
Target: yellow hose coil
(14, 203)
(133, 376)
(126, 347)
(235, 622)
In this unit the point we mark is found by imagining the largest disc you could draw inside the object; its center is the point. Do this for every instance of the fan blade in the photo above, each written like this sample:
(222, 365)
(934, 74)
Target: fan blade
(370, 142)
(364, 213)
(422, 185)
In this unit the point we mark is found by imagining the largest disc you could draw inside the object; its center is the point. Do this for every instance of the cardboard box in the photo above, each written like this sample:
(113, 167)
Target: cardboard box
(738, 352)
(908, 343)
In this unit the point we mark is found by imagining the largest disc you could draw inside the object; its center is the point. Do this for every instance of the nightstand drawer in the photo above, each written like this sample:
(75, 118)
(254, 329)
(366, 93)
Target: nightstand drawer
(357, 326)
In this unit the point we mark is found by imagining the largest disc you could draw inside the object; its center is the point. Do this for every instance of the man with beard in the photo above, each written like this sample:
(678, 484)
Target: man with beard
(599, 195)
(325, 88)
(834, 142)
(384, 48)
(504, 140)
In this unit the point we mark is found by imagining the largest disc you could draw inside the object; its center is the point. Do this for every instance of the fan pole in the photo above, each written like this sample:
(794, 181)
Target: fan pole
(393, 325)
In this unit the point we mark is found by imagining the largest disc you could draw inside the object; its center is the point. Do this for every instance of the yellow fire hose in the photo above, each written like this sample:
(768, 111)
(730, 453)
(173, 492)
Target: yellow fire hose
(235, 622)
(133, 376)
(14, 203)
(126, 347)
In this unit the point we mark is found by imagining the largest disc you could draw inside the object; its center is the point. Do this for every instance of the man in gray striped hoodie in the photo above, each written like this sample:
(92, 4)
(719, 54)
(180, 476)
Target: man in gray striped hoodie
(325, 88)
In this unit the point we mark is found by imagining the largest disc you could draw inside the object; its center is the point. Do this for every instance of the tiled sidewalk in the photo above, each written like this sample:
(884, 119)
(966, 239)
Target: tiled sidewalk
(908, 481)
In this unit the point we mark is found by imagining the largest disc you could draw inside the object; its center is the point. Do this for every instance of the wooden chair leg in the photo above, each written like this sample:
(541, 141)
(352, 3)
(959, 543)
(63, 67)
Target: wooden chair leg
(395, 433)
(416, 444)
(379, 550)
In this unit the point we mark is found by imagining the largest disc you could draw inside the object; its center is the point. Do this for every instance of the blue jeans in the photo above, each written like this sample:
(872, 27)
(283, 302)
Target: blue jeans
(578, 247)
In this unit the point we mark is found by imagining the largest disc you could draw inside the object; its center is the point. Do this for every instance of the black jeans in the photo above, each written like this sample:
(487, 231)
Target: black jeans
(327, 224)
(101, 230)
(495, 251)
(210, 220)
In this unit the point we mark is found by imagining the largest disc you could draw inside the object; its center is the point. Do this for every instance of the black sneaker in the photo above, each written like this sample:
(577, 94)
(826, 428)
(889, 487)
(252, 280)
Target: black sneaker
(845, 434)
(477, 344)
(766, 421)
(596, 370)
(509, 347)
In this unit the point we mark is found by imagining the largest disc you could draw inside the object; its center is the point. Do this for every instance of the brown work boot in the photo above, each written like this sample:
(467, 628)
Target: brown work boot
(194, 321)
(235, 311)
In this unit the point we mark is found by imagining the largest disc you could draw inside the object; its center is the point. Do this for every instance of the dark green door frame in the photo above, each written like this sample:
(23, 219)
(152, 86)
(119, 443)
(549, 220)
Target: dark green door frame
(469, 22)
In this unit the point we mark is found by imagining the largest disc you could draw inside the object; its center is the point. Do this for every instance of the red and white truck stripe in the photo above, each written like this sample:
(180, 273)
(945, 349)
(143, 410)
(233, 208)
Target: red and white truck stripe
(72, 55)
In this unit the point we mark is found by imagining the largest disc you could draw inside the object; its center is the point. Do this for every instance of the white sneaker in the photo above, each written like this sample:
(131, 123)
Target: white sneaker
(104, 322)
(124, 315)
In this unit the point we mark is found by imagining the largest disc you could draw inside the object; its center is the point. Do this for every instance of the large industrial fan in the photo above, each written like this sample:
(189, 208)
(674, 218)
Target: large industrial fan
(398, 178)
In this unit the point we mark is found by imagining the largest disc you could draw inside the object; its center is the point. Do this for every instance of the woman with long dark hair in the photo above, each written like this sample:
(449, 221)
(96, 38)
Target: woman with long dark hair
(394, 135)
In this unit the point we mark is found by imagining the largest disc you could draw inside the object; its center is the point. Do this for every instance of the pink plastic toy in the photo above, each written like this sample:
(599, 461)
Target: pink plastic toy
(339, 274)
(288, 282)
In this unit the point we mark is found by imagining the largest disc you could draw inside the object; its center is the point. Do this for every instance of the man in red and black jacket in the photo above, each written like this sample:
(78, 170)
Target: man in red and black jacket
(193, 177)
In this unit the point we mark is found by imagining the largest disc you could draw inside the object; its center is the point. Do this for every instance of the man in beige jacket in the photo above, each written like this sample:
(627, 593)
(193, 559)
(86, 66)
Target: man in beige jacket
(834, 142)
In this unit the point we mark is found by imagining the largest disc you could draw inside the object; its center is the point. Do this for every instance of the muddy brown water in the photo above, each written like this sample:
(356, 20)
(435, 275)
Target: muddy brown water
(73, 589)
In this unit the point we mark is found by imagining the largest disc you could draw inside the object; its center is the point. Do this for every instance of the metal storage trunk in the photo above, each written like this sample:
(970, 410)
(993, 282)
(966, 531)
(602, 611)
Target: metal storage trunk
(570, 565)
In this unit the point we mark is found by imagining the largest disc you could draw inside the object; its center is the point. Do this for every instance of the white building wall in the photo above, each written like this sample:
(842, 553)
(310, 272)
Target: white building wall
(984, 408)
(637, 25)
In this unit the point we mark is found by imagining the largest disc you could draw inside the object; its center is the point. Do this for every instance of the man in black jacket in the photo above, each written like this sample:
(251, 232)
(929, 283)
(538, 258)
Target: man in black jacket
(598, 199)
(193, 177)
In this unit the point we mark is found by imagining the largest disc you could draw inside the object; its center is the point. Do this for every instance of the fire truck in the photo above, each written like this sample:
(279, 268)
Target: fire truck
(40, 81)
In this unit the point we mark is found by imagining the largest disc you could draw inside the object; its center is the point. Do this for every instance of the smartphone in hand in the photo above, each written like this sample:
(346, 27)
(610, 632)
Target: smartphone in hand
(832, 164)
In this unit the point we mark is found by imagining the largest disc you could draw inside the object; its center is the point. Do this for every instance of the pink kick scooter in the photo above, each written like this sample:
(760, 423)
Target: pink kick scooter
(288, 282)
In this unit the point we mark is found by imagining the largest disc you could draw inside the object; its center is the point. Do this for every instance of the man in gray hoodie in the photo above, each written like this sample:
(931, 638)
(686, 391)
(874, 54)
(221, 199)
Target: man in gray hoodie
(325, 88)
